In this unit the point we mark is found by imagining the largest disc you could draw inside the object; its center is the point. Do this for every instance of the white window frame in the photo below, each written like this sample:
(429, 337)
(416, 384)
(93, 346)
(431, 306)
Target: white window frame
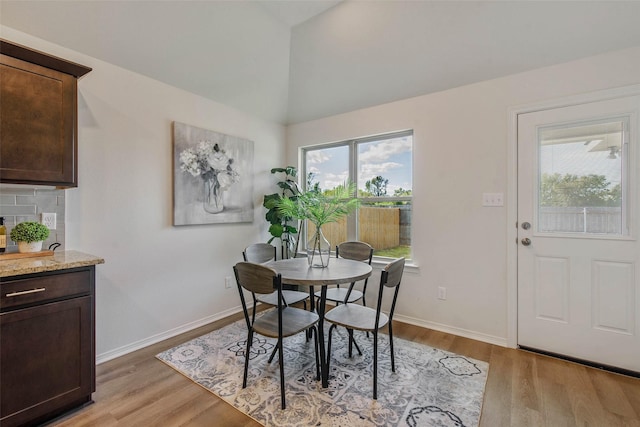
(352, 144)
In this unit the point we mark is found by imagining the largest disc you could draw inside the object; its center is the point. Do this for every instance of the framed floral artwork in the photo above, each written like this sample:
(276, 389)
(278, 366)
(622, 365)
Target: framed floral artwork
(212, 177)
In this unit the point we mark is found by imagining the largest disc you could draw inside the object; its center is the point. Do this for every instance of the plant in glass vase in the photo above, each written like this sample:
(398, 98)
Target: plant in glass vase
(320, 208)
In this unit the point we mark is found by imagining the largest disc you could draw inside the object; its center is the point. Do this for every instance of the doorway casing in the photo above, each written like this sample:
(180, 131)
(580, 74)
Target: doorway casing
(512, 187)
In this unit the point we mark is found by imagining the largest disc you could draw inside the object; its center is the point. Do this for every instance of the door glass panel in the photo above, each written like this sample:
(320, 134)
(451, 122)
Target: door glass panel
(581, 178)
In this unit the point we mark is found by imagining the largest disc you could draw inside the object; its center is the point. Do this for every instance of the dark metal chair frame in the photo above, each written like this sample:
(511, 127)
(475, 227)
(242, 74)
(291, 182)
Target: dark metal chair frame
(356, 317)
(283, 322)
(356, 251)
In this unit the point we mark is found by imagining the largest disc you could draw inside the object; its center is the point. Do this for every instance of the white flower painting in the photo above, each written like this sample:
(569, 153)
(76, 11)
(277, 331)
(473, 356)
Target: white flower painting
(212, 177)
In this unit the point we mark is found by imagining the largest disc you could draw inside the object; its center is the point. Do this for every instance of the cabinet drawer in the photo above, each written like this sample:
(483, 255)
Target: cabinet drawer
(34, 290)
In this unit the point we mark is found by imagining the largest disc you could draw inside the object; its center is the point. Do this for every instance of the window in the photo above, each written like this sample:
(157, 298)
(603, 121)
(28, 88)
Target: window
(581, 180)
(381, 168)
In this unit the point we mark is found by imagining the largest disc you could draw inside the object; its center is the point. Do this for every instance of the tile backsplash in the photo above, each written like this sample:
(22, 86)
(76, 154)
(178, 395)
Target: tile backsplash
(23, 203)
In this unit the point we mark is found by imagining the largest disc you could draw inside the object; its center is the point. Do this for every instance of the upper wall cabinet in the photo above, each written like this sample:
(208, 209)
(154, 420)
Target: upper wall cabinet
(38, 117)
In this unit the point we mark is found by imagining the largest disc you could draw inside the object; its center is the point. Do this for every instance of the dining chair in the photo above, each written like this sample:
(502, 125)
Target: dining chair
(357, 251)
(285, 321)
(260, 253)
(358, 317)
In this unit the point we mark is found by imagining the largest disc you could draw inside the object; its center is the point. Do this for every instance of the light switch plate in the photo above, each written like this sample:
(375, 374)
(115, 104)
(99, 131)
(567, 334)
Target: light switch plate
(492, 199)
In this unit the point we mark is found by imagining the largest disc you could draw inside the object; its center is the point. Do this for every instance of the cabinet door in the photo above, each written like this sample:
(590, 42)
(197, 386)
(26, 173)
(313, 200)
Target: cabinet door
(46, 360)
(38, 108)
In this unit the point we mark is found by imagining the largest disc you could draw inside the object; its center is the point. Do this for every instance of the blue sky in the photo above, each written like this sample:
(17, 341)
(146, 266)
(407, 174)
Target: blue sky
(389, 158)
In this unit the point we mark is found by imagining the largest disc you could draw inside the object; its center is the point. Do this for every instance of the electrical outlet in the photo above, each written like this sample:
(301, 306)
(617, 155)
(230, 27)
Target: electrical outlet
(49, 220)
(228, 282)
(442, 293)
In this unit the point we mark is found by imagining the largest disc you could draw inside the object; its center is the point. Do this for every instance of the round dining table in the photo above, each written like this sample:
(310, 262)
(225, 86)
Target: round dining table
(296, 271)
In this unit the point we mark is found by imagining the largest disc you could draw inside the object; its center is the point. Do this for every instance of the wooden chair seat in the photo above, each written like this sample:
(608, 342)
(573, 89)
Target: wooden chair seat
(355, 316)
(294, 320)
(290, 297)
(340, 294)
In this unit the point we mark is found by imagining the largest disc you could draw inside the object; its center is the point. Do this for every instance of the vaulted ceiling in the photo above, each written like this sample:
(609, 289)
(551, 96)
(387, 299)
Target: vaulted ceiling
(292, 61)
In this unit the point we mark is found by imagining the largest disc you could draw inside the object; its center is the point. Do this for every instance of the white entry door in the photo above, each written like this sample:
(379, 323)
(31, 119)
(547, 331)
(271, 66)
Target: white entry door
(578, 225)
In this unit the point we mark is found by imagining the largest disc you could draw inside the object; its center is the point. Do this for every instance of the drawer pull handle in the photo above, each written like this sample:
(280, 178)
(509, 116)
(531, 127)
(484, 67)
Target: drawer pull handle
(32, 291)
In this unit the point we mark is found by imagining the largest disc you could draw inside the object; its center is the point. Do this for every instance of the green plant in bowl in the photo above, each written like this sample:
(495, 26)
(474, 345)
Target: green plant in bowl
(29, 231)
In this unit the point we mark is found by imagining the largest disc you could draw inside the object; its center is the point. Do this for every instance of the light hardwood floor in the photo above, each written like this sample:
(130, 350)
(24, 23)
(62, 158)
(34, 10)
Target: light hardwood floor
(523, 389)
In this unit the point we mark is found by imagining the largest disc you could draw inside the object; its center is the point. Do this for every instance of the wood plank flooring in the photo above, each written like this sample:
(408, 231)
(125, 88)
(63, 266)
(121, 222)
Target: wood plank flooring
(523, 389)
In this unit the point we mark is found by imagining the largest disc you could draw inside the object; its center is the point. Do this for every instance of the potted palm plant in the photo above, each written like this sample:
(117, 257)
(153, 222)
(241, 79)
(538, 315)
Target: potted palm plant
(281, 226)
(320, 208)
(29, 236)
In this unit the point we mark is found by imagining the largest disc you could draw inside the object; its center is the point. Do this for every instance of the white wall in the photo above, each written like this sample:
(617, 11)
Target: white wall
(460, 151)
(158, 280)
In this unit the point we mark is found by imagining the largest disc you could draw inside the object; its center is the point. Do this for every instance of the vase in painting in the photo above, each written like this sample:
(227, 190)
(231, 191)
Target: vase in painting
(213, 196)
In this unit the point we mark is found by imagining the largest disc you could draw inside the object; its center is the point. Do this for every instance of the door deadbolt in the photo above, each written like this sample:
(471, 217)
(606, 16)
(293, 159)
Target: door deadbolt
(526, 241)
(526, 225)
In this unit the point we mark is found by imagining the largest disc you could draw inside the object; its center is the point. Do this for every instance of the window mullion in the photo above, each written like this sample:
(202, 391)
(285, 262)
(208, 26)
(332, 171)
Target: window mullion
(352, 220)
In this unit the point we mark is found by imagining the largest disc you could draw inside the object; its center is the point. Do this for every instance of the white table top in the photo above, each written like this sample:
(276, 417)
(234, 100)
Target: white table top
(296, 271)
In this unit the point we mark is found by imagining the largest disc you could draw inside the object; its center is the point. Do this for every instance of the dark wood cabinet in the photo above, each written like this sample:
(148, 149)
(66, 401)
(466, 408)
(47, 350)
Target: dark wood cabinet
(47, 351)
(38, 117)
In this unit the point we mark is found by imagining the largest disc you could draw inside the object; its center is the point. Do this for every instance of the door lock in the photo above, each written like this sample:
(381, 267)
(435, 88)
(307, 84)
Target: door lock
(526, 225)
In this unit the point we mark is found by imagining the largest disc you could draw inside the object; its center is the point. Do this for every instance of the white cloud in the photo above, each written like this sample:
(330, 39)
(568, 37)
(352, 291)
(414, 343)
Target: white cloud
(381, 151)
(370, 170)
(317, 157)
(332, 180)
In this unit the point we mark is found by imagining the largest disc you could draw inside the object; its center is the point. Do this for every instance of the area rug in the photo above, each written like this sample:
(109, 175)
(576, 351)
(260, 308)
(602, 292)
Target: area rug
(430, 387)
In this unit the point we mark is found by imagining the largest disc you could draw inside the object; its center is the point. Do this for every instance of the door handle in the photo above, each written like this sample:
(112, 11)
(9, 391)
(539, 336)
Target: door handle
(526, 241)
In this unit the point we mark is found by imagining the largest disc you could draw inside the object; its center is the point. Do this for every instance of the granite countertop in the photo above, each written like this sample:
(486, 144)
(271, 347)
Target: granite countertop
(58, 261)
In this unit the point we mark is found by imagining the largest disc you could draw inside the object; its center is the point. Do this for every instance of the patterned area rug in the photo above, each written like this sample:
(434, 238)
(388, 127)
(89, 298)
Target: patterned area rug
(430, 387)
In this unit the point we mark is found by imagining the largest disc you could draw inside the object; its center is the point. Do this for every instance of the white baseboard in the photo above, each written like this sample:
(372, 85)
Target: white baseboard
(121, 351)
(478, 336)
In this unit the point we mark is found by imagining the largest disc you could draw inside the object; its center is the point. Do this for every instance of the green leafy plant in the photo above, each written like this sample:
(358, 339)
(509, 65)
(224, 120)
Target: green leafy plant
(320, 207)
(578, 191)
(29, 231)
(283, 227)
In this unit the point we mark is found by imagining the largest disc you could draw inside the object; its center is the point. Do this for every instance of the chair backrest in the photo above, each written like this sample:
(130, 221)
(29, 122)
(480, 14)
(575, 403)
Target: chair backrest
(259, 253)
(392, 273)
(358, 251)
(390, 277)
(257, 279)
